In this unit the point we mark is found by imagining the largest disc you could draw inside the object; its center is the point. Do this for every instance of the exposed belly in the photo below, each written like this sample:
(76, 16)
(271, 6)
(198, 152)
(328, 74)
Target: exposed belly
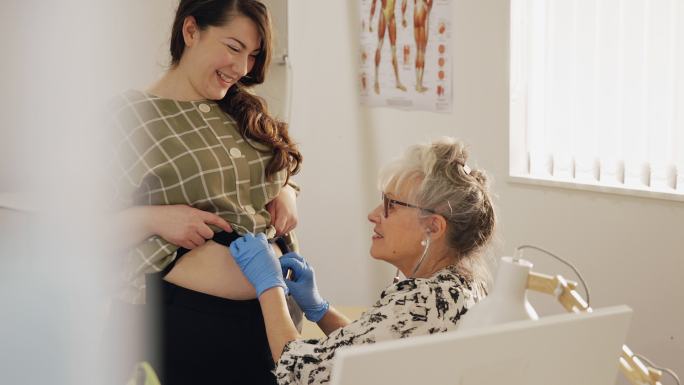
(211, 269)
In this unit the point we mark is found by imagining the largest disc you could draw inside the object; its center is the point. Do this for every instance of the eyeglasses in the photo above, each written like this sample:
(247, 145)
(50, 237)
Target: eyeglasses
(387, 204)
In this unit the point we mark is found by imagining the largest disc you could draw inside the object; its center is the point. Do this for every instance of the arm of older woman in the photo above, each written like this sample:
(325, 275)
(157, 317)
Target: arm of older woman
(305, 292)
(279, 327)
(332, 320)
(259, 264)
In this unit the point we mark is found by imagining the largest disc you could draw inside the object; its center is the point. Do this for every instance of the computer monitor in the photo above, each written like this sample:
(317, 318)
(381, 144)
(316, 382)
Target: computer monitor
(565, 349)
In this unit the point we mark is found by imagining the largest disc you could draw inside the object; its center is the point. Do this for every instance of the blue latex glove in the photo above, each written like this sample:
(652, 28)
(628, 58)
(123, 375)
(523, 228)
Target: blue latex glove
(258, 262)
(303, 286)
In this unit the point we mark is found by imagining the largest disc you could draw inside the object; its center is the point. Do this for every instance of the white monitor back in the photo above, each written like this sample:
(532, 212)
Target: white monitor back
(566, 349)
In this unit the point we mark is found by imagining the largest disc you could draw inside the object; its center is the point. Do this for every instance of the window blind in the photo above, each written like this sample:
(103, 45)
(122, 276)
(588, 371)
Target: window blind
(597, 92)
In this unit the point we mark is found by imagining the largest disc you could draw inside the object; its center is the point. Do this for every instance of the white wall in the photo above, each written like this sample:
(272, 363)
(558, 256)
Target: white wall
(344, 144)
(338, 176)
(631, 250)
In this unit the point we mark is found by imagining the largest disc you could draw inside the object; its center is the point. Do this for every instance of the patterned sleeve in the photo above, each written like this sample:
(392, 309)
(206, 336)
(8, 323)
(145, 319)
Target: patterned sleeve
(410, 307)
(124, 179)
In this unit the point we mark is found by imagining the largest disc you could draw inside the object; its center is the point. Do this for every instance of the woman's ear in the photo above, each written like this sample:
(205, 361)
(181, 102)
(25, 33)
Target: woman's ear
(190, 31)
(436, 226)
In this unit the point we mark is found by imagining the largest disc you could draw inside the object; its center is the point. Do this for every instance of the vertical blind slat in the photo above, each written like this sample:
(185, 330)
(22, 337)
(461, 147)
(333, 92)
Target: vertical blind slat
(633, 96)
(603, 89)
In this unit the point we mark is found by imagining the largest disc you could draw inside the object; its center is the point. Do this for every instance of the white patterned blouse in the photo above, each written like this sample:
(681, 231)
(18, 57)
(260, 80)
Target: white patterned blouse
(412, 307)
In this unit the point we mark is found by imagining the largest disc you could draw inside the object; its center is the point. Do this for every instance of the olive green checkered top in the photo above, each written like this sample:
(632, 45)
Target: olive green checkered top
(176, 152)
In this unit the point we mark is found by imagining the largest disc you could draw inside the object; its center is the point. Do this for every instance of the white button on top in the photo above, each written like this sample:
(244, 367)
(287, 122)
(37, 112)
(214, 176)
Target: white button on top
(204, 108)
(235, 152)
(250, 210)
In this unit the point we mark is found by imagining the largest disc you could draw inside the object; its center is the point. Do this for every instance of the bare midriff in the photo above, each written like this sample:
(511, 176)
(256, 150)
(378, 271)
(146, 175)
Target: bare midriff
(211, 269)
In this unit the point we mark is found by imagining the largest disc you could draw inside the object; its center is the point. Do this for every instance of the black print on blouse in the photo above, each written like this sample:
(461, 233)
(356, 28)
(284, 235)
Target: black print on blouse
(399, 326)
(377, 318)
(459, 314)
(455, 294)
(408, 308)
(441, 303)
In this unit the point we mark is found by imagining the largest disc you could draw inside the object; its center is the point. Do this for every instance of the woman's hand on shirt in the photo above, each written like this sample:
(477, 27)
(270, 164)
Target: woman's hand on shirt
(283, 210)
(183, 225)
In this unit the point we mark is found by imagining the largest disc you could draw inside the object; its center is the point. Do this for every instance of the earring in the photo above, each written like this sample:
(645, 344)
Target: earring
(426, 240)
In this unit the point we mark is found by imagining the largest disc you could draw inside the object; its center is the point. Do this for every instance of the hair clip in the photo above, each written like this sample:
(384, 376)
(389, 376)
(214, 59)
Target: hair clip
(466, 169)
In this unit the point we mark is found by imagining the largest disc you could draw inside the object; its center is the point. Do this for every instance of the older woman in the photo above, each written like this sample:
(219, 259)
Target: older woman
(436, 216)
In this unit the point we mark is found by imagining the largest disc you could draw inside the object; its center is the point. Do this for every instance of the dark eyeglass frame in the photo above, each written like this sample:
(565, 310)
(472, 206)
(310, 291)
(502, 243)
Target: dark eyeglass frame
(387, 201)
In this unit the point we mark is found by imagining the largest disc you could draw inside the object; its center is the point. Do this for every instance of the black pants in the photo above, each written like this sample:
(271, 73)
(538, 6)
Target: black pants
(203, 339)
(193, 338)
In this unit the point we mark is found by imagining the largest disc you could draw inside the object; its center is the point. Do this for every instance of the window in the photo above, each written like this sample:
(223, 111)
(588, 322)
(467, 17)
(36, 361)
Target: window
(597, 94)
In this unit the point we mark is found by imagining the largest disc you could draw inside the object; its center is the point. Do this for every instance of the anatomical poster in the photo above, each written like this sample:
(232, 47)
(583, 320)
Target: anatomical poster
(405, 54)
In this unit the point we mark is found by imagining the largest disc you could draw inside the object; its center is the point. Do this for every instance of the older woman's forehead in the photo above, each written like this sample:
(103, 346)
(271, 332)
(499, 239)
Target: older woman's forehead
(404, 187)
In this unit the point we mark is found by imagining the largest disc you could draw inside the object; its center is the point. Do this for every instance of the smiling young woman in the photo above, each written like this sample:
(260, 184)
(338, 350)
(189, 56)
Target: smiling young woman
(200, 161)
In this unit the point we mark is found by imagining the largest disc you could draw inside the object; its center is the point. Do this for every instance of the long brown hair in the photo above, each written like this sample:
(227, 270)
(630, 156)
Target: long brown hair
(249, 111)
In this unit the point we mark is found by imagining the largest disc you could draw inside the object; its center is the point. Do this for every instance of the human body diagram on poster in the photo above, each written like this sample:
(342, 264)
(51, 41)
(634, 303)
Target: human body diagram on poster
(417, 32)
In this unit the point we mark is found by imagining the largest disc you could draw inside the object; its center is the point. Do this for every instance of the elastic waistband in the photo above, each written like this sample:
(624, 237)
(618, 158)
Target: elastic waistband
(224, 238)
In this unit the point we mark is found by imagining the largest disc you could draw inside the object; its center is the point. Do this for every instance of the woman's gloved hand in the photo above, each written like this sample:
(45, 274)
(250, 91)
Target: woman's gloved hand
(303, 286)
(258, 262)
